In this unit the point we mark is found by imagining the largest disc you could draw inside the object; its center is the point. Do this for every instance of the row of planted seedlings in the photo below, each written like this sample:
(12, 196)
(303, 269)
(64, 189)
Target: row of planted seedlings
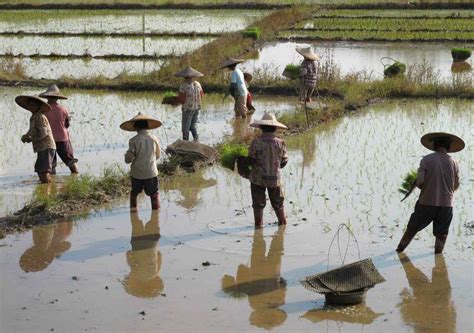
(386, 25)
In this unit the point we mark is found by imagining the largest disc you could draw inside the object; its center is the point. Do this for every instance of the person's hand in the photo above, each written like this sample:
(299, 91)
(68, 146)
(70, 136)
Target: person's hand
(24, 138)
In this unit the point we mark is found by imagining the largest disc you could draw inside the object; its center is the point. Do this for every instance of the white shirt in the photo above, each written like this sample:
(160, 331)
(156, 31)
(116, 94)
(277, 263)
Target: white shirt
(237, 77)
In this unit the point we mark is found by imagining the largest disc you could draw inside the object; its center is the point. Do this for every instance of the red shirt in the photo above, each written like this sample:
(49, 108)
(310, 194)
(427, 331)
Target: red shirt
(57, 120)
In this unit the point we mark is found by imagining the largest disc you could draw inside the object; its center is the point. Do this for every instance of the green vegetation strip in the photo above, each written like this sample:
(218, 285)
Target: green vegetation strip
(390, 24)
(430, 36)
(405, 13)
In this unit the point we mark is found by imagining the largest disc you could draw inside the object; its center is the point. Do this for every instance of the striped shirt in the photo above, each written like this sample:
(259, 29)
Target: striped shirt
(308, 73)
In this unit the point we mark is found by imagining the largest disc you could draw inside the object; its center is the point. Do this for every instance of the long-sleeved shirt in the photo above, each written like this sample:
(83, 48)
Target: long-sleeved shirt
(308, 73)
(438, 178)
(57, 117)
(269, 153)
(143, 151)
(237, 77)
(40, 133)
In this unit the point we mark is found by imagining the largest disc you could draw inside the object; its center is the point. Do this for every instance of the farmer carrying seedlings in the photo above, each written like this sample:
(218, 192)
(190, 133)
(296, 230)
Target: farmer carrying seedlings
(58, 119)
(190, 96)
(438, 178)
(40, 135)
(268, 155)
(238, 88)
(307, 73)
(143, 151)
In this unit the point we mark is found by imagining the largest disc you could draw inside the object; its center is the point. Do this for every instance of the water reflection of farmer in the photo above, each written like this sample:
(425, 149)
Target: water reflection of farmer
(144, 259)
(49, 242)
(430, 308)
(261, 282)
(190, 187)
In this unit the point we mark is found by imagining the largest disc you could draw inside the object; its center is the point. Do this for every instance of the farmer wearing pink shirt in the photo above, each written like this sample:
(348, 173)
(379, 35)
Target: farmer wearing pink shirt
(58, 119)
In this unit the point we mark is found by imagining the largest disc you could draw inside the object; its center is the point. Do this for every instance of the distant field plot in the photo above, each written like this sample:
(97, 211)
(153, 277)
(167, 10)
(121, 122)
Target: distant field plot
(380, 35)
(98, 46)
(395, 13)
(386, 25)
(391, 24)
(123, 21)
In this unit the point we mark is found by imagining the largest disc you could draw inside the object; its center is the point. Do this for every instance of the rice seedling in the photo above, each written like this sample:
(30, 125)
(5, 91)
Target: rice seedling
(395, 69)
(169, 97)
(292, 71)
(229, 152)
(460, 53)
(408, 184)
(252, 32)
(397, 13)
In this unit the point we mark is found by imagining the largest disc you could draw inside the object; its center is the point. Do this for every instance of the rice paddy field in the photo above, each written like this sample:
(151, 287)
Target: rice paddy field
(198, 264)
(389, 25)
(328, 181)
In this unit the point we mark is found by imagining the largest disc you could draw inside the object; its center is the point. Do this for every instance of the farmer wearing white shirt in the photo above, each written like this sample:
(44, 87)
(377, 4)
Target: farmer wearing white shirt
(238, 88)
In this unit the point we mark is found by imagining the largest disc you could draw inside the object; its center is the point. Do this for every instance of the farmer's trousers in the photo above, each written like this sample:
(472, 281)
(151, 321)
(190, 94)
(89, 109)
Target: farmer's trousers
(258, 196)
(424, 215)
(306, 91)
(188, 123)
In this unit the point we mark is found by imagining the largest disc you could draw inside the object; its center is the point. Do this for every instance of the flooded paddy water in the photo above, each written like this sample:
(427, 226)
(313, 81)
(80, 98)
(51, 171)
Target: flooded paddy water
(116, 271)
(352, 57)
(126, 21)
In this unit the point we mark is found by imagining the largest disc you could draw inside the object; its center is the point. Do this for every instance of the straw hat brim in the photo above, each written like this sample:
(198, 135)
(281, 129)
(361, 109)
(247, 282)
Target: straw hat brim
(52, 94)
(189, 72)
(22, 101)
(129, 124)
(457, 144)
(277, 124)
(307, 53)
(230, 62)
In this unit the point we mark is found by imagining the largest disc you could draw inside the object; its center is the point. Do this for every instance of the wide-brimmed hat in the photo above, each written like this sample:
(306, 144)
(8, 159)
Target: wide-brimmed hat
(457, 144)
(248, 77)
(188, 72)
(268, 119)
(231, 61)
(52, 91)
(307, 52)
(129, 124)
(23, 100)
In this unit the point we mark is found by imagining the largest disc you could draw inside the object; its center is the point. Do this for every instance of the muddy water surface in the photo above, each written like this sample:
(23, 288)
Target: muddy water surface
(357, 57)
(149, 268)
(78, 21)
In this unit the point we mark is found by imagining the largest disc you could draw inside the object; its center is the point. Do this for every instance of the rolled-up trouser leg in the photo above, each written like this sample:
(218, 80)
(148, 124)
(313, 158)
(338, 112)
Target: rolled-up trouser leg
(192, 127)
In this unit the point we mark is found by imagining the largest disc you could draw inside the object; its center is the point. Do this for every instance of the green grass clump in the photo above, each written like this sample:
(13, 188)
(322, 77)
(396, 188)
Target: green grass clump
(408, 182)
(252, 32)
(395, 69)
(460, 54)
(292, 71)
(229, 152)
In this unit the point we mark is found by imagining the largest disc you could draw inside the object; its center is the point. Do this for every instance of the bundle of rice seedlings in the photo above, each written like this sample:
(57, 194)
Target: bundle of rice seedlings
(397, 68)
(408, 184)
(292, 71)
(252, 32)
(460, 53)
(229, 152)
(169, 97)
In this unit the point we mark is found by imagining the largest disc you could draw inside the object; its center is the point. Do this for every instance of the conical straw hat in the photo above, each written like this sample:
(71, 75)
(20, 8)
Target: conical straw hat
(231, 61)
(268, 119)
(52, 91)
(129, 124)
(307, 52)
(23, 100)
(457, 144)
(189, 72)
